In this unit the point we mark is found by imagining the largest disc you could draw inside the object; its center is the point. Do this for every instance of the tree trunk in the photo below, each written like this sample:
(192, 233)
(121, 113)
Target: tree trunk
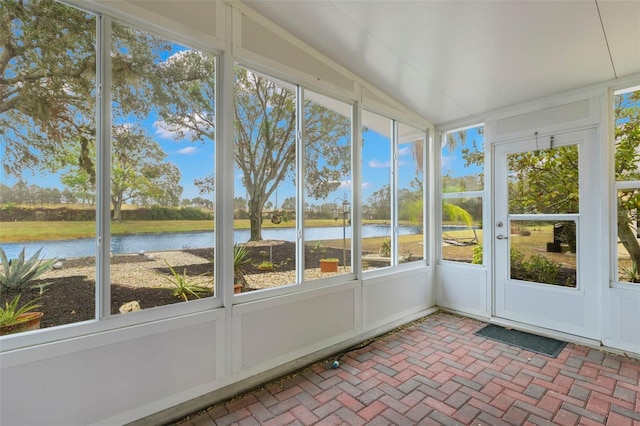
(255, 218)
(256, 226)
(627, 236)
(117, 210)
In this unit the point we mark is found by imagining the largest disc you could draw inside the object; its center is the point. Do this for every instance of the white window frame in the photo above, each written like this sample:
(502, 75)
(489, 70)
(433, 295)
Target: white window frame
(464, 194)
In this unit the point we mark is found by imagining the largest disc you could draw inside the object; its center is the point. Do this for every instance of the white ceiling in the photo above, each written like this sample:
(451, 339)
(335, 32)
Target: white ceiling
(448, 60)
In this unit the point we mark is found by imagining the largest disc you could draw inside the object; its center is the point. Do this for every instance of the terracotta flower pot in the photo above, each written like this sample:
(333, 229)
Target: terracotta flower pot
(328, 265)
(32, 323)
(237, 288)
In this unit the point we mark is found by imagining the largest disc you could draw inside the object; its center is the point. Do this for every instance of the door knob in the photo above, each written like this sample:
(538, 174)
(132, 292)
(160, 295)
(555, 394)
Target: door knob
(501, 237)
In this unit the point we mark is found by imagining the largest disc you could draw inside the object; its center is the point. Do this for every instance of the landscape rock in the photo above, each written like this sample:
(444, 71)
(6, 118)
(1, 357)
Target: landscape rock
(130, 307)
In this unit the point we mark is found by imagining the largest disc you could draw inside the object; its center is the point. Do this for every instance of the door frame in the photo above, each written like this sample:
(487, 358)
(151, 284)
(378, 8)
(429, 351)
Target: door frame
(585, 322)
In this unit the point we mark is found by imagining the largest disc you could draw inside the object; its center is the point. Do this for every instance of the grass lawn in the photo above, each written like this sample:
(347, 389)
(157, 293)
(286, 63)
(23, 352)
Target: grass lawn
(536, 243)
(39, 231)
(410, 243)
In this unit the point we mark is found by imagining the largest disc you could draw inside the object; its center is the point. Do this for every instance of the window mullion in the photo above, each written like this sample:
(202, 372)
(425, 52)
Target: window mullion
(300, 178)
(394, 193)
(103, 178)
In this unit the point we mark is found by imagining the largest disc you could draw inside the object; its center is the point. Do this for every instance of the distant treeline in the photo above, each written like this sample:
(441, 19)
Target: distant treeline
(12, 213)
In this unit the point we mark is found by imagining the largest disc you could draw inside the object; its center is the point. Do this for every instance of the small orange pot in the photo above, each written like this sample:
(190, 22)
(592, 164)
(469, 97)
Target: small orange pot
(31, 323)
(328, 265)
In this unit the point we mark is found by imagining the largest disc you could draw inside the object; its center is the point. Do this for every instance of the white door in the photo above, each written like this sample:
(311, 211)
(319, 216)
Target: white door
(542, 229)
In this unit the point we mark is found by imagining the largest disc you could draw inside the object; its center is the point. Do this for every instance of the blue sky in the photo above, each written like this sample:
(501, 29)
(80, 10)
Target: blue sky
(453, 163)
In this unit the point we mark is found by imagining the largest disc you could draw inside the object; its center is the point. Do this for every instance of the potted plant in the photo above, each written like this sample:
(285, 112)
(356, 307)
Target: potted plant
(329, 264)
(14, 319)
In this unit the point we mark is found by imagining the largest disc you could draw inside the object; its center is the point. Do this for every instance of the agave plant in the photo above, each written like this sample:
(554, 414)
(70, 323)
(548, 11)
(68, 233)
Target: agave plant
(11, 313)
(632, 273)
(240, 261)
(17, 273)
(183, 287)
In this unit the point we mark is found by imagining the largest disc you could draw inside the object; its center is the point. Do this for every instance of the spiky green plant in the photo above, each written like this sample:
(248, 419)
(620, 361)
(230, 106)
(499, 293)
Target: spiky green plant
(240, 261)
(385, 248)
(183, 287)
(17, 273)
(631, 274)
(10, 314)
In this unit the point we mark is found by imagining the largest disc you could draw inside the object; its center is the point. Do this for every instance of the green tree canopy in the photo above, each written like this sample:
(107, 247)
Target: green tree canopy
(265, 149)
(48, 105)
(47, 76)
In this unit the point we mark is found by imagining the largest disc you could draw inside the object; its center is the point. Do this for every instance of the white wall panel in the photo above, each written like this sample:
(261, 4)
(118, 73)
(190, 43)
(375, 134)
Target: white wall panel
(388, 298)
(463, 288)
(91, 385)
(624, 320)
(269, 331)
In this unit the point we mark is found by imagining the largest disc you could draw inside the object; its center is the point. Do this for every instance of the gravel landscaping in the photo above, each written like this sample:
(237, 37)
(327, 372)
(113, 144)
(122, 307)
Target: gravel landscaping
(70, 295)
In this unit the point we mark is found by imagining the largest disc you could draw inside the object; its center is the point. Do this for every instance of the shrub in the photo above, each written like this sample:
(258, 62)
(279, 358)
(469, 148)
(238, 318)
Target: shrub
(536, 269)
(543, 270)
(385, 248)
(265, 265)
(476, 258)
(17, 273)
(318, 247)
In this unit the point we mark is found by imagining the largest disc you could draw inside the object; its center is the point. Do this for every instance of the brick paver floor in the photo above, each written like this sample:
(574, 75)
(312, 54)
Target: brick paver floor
(437, 371)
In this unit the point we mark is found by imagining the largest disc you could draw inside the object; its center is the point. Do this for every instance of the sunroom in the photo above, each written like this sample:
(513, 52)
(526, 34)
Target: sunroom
(177, 175)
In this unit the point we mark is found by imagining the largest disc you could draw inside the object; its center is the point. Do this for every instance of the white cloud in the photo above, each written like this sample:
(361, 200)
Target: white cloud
(164, 131)
(188, 150)
(446, 163)
(179, 56)
(404, 151)
(377, 164)
(367, 185)
(345, 184)
(177, 132)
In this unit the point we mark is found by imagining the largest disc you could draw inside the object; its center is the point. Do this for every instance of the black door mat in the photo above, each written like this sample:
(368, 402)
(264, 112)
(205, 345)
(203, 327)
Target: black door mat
(531, 342)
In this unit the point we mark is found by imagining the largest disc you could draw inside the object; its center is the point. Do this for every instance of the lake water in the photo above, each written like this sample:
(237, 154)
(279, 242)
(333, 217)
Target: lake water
(183, 240)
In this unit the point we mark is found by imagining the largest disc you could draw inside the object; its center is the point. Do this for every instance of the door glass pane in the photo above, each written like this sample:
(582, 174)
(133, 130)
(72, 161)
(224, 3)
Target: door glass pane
(376, 191)
(411, 149)
(264, 185)
(544, 181)
(543, 252)
(162, 171)
(327, 161)
(48, 179)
